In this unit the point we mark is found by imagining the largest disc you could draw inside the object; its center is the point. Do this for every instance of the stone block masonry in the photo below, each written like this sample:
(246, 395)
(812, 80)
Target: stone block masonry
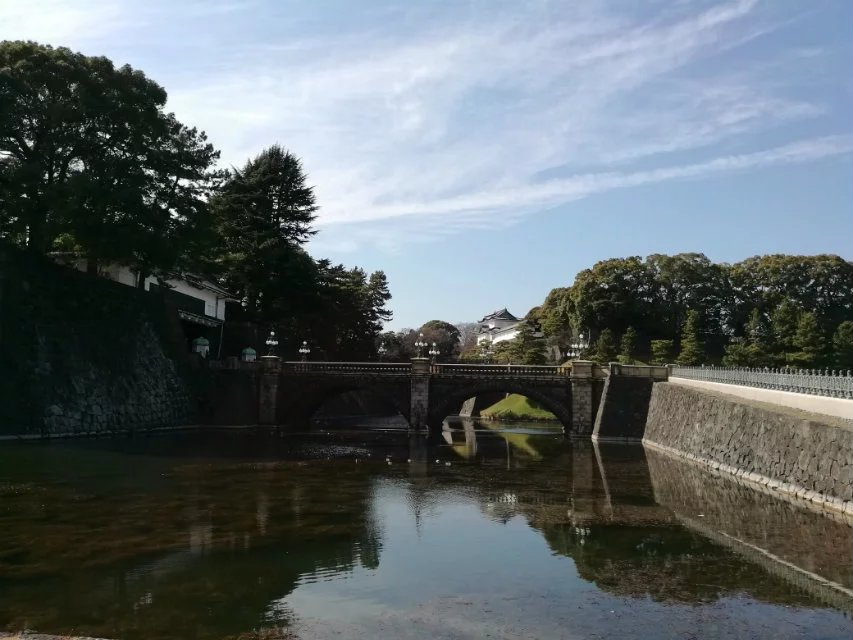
(83, 355)
(792, 453)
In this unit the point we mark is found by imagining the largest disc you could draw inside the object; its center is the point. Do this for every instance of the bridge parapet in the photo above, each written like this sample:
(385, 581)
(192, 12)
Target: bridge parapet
(502, 370)
(348, 368)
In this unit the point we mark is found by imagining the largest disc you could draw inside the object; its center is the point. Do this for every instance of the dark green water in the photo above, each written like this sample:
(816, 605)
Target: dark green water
(479, 534)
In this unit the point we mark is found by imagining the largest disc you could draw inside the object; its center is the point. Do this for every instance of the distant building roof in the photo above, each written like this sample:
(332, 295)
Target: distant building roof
(501, 314)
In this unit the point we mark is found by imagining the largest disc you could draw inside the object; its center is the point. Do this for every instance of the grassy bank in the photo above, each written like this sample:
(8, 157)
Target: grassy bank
(517, 407)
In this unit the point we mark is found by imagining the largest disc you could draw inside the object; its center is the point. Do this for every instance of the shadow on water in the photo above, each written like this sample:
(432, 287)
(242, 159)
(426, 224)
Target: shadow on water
(495, 528)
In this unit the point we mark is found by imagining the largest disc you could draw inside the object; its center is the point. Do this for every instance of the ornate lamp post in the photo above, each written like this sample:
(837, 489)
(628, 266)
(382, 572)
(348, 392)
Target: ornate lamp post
(272, 343)
(434, 352)
(420, 345)
(578, 346)
(382, 350)
(304, 350)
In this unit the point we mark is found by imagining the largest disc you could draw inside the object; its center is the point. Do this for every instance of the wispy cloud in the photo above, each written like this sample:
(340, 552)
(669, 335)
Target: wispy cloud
(455, 118)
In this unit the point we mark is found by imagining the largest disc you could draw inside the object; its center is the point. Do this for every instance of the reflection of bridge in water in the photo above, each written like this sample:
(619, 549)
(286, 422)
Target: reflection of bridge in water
(610, 494)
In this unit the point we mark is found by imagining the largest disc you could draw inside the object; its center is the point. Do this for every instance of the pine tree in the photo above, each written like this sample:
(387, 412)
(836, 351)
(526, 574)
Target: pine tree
(842, 342)
(758, 349)
(809, 341)
(628, 346)
(783, 324)
(738, 353)
(605, 347)
(527, 347)
(692, 351)
(662, 351)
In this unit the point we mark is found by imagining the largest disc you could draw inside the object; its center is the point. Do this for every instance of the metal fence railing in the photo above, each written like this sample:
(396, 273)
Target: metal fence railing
(816, 382)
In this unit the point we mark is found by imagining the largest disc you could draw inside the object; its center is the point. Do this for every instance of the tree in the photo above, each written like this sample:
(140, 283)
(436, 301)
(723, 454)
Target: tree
(527, 347)
(604, 349)
(467, 336)
(809, 341)
(692, 352)
(263, 213)
(842, 342)
(783, 325)
(689, 281)
(628, 346)
(88, 154)
(759, 335)
(738, 354)
(614, 294)
(444, 335)
(555, 318)
(823, 284)
(662, 351)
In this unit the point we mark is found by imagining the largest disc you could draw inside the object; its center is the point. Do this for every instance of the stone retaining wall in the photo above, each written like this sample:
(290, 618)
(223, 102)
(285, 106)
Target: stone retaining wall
(789, 452)
(623, 408)
(82, 355)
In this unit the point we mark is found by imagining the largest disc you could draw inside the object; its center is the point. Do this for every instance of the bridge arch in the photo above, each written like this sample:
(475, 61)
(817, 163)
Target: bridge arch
(445, 397)
(299, 398)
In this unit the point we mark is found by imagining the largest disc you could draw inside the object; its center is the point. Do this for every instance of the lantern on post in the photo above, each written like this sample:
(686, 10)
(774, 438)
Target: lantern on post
(248, 355)
(201, 346)
(272, 343)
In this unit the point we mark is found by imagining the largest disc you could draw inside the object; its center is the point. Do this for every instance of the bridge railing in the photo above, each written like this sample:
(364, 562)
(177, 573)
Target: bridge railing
(500, 370)
(352, 368)
(834, 384)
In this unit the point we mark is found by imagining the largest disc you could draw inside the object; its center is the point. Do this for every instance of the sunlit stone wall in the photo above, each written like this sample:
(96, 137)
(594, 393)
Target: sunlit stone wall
(787, 451)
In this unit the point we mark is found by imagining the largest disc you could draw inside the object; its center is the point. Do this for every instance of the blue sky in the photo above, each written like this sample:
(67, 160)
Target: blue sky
(482, 152)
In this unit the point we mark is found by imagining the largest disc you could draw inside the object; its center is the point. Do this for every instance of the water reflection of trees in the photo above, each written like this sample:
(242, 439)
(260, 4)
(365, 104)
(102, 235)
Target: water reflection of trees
(631, 526)
(214, 552)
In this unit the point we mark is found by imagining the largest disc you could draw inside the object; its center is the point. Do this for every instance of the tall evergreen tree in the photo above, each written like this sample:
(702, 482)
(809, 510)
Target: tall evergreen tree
(759, 338)
(662, 351)
(738, 353)
(783, 323)
(605, 347)
(527, 347)
(809, 341)
(842, 342)
(628, 346)
(692, 352)
(263, 214)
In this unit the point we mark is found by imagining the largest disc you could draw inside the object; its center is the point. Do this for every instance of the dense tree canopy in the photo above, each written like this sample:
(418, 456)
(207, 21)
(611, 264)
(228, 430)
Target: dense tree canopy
(90, 161)
(750, 311)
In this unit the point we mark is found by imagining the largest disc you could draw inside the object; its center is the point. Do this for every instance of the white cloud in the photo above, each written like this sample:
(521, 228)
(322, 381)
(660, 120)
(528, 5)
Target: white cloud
(481, 113)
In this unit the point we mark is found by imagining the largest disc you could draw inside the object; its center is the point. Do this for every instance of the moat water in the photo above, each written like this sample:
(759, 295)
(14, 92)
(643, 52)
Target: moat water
(487, 531)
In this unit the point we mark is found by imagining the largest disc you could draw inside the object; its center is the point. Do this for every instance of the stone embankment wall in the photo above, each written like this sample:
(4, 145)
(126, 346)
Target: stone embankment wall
(623, 408)
(812, 554)
(85, 355)
(790, 453)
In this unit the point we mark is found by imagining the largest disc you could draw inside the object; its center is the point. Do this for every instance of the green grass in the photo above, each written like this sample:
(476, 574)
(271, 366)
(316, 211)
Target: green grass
(517, 407)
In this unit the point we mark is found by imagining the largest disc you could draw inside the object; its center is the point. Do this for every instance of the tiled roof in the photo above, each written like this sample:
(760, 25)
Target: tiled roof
(501, 314)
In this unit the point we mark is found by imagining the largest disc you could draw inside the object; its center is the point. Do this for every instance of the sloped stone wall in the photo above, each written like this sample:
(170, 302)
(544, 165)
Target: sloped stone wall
(789, 452)
(85, 355)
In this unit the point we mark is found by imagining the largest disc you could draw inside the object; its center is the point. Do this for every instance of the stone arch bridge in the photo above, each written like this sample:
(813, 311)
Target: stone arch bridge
(425, 393)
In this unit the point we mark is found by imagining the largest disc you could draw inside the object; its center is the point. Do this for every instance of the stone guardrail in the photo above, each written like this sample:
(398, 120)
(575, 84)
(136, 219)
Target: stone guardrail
(833, 384)
(655, 372)
(352, 368)
(500, 370)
